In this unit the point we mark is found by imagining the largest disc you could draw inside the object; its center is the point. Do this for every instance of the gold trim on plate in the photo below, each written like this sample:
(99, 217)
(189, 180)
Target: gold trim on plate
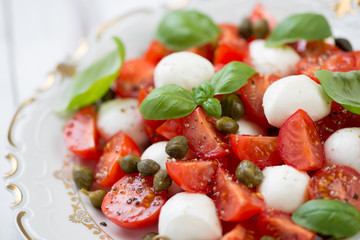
(178, 5)
(50, 81)
(14, 165)
(81, 50)
(17, 192)
(21, 226)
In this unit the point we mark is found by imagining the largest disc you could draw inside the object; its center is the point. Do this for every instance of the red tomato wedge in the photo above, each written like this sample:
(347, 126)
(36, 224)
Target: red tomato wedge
(336, 182)
(238, 233)
(108, 170)
(156, 52)
(279, 225)
(193, 176)
(133, 203)
(299, 143)
(234, 201)
(262, 151)
(134, 75)
(171, 128)
(357, 59)
(80, 133)
(340, 62)
(260, 12)
(206, 51)
(203, 138)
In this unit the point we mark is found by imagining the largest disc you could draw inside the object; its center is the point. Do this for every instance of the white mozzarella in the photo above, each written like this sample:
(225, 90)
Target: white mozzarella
(247, 127)
(275, 60)
(355, 237)
(284, 188)
(289, 94)
(122, 115)
(186, 69)
(343, 148)
(188, 216)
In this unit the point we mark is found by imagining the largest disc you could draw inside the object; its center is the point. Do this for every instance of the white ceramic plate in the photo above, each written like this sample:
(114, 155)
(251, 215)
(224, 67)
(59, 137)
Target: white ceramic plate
(48, 206)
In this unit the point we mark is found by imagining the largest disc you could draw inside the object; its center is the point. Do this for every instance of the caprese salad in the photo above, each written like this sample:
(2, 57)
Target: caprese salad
(224, 132)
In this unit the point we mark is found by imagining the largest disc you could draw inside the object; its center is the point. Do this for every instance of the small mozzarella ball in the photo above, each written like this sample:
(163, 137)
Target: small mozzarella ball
(247, 127)
(185, 69)
(343, 148)
(289, 94)
(275, 60)
(188, 216)
(355, 237)
(284, 188)
(122, 115)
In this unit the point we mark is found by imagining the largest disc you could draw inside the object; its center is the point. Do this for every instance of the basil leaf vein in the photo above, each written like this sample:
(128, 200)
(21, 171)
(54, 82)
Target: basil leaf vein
(212, 107)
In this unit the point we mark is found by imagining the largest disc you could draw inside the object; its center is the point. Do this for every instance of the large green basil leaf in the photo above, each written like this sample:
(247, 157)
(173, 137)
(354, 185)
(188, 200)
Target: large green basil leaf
(203, 92)
(307, 26)
(342, 87)
(183, 29)
(328, 217)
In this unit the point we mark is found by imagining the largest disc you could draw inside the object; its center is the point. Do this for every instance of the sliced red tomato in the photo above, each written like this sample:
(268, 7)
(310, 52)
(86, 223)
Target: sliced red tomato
(357, 59)
(318, 47)
(134, 75)
(336, 182)
(171, 128)
(279, 225)
(203, 138)
(234, 201)
(156, 52)
(340, 62)
(260, 150)
(133, 203)
(80, 133)
(238, 233)
(193, 176)
(252, 94)
(260, 12)
(206, 51)
(108, 170)
(299, 143)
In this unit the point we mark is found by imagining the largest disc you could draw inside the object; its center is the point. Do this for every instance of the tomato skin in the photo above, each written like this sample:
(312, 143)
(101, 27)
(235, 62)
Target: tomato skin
(202, 136)
(357, 59)
(299, 143)
(206, 51)
(156, 51)
(80, 133)
(278, 224)
(238, 233)
(133, 203)
(108, 170)
(131, 80)
(260, 150)
(340, 62)
(171, 128)
(336, 182)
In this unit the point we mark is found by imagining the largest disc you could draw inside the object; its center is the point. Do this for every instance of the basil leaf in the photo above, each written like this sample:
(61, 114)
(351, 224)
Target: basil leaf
(180, 30)
(92, 83)
(212, 107)
(232, 77)
(342, 87)
(328, 217)
(307, 26)
(203, 92)
(170, 101)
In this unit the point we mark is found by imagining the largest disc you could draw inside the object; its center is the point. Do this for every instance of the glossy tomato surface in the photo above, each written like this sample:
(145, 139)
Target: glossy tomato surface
(171, 128)
(156, 51)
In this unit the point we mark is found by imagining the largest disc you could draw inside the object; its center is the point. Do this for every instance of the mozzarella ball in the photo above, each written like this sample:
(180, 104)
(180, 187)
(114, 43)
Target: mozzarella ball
(188, 216)
(122, 115)
(355, 237)
(289, 94)
(247, 127)
(275, 60)
(185, 69)
(284, 188)
(343, 148)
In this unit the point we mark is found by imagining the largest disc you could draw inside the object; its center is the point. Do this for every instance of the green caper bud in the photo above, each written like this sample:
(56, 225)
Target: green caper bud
(177, 147)
(149, 236)
(343, 44)
(267, 238)
(109, 95)
(260, 28)
(148, 167)
(249, 174)
(96, 197)
(226, 125)
(232, 106)
(83, 176)
(244, 29)
(162, 180)
(129, 163)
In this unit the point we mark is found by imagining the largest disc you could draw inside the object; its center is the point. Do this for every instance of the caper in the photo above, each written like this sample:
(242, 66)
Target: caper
(129, 163)
(226, 125)
(260, 28)
(177, 147)
(109, 95)
(149, 236)
(96, 197)
(148, 167)
(83, 176)
(244, 29)
(267, 238)
(343, 44)
(232, 106)
(249, 174)
(162, 180)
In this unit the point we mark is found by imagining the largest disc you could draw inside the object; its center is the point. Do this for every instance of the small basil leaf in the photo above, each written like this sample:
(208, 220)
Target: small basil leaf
(203, 92)
(307, 26)
(170, 101)
(92, 83)
(328, 217)
(180, 30)
(232, 77)
(212, 107)
(342, 87)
